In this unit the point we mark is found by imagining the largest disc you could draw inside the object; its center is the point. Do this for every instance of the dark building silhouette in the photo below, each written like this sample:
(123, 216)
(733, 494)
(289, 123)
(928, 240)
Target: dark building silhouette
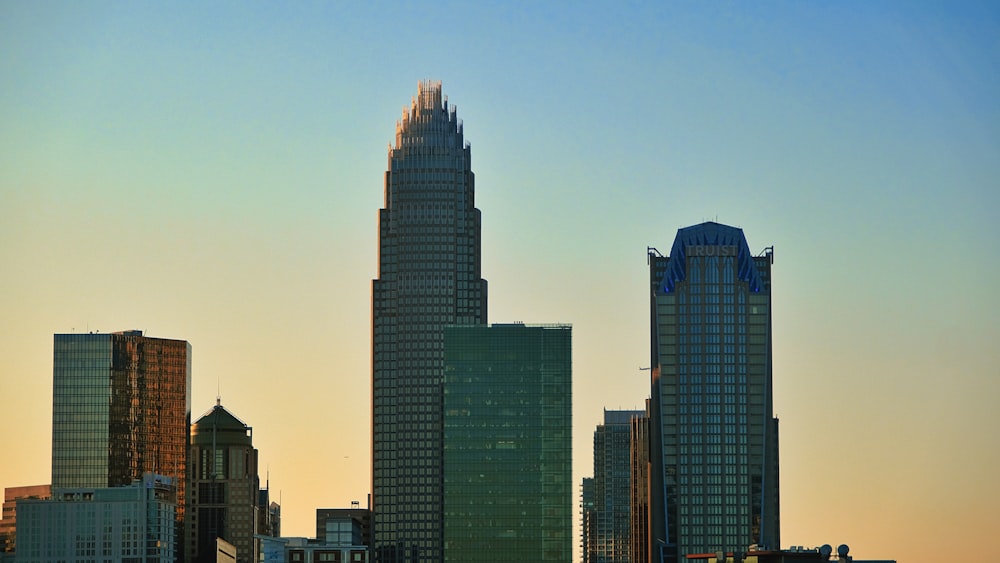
(713, 435)
(429, 276)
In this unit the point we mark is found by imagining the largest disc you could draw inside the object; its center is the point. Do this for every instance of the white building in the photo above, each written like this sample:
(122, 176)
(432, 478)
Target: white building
(129, 524)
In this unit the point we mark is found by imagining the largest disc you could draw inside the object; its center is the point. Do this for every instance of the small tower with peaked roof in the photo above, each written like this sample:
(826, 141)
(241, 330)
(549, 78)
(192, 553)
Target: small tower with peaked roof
(224, 487)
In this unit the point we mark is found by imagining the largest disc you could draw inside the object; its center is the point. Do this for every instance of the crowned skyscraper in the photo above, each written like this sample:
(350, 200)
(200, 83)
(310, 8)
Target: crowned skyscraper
(713, 435)
(429, 277)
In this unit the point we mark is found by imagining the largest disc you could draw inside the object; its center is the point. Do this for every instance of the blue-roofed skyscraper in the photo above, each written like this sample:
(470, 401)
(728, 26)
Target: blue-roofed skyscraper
(713, 435)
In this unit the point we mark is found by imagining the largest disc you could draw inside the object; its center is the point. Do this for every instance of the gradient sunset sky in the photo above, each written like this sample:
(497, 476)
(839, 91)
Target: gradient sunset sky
(213, 172)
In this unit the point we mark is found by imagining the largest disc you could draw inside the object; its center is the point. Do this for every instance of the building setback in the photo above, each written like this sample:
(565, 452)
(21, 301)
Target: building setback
(429, 276)
(713, 435)
(121, 407)
(508, 492)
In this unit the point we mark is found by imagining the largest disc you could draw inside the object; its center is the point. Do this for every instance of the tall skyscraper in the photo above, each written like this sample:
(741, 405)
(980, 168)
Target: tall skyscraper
(223, 500)
(121, 407)
(429, 276)
(713, 435)
(609, 527)
(508, 491)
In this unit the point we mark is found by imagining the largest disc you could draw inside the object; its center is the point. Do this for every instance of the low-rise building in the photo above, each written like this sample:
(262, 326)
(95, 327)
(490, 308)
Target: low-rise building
(8, 524)
(130, 524)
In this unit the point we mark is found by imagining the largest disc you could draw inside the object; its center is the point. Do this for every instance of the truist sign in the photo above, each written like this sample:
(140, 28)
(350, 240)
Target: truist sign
(710, 250)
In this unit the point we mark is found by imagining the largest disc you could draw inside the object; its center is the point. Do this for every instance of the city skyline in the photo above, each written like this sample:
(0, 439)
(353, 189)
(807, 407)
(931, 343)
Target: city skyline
(213, 174)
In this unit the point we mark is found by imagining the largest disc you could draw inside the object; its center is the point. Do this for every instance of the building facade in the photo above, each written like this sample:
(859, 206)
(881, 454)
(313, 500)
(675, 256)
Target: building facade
(225, 488)
(429, 276)
(713, 435)
(508, 491)
(8, 524)
(360, 516)
(610, 526)
(310, 550)
(639, 486)
(588, 535)
(121, 407)
(131, 524)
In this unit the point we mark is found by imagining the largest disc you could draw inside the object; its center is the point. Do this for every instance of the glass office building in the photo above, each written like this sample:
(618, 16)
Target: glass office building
(713, 435)
(508, 492)
(429, 276)
(121, 407)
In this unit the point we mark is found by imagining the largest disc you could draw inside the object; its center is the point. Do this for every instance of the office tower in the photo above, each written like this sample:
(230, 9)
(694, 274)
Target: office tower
(508, 491)
(639, 516)
(609, 528)
(428, 277)
(713, 435)
(121, 407)
(85, 524)
(224, 487)
(8, 524)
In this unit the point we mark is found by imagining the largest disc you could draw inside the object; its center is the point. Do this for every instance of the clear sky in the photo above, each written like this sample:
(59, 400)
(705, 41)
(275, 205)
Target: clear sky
(213, 173)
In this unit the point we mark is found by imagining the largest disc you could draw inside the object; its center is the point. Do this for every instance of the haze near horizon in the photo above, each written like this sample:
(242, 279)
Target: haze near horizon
(213, 174)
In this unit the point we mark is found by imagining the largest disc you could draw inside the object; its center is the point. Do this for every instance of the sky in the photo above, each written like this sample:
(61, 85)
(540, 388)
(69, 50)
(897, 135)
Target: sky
(212, 172)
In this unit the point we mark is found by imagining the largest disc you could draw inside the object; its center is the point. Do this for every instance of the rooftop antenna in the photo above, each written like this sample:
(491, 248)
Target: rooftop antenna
(218, 392)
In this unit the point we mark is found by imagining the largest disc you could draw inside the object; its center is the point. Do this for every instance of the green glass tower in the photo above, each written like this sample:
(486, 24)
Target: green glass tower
(508, 492)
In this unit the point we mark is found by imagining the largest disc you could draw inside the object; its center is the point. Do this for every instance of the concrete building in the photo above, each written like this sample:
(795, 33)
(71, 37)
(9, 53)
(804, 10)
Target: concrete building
(8, 524)
(508, 490)
(429, 276)
(713, 435)
(225, 552)
(121, 407)
(131, 524)
(224, 488)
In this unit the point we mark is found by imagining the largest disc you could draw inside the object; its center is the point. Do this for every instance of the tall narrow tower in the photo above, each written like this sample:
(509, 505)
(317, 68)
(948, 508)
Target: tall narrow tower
(713, 435)
(429, 277)
(609, 531)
